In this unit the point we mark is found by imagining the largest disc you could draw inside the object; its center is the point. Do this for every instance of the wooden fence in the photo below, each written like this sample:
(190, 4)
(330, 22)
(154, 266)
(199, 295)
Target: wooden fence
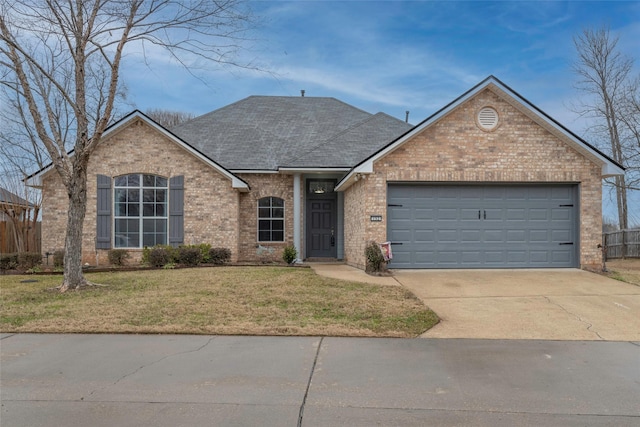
(7, 238)
(622, 244)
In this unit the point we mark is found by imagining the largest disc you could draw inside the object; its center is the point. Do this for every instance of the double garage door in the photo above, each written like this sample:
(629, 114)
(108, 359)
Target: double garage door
(483, 226)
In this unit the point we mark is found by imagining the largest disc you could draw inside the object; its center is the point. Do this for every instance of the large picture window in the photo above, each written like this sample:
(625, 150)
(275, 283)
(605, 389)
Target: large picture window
(140, 211)
(271, 219)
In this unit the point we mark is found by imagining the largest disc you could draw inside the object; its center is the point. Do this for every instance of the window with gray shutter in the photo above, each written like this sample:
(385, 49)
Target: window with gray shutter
(140, 210)
(176, 210)
(103, 222)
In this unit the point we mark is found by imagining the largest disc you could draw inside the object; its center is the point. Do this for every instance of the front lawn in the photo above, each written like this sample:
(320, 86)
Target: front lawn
(217, 300)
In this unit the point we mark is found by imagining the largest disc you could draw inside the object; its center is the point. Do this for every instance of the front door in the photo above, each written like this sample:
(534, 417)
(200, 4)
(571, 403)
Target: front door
(321, 230)
(321, 218)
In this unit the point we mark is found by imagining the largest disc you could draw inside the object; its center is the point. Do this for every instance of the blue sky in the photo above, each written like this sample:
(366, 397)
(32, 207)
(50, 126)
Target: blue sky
(394, 56)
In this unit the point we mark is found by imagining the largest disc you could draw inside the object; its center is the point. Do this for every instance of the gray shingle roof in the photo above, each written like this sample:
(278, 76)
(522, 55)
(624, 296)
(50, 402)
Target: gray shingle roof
(8, 197)
(267, 132)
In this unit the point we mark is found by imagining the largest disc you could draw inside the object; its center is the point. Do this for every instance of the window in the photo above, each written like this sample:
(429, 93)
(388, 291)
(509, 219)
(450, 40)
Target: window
(271, 219)
(140, 211)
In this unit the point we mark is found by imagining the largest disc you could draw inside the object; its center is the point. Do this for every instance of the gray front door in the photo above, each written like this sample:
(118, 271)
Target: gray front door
(482, 226)
(321, 227)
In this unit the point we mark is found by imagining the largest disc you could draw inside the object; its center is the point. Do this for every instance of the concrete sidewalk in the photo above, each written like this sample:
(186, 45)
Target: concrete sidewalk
(551, 304)
(154, 380)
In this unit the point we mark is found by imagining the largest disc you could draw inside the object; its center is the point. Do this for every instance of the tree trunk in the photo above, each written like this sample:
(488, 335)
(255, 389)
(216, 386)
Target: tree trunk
(621, 198)
(77, 191)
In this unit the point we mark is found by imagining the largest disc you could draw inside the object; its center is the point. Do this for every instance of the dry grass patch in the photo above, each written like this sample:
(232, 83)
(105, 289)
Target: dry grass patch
(626, 270)
(221, 300)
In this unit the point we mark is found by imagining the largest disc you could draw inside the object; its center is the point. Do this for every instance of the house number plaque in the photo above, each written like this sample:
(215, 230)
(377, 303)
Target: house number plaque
(376, 218)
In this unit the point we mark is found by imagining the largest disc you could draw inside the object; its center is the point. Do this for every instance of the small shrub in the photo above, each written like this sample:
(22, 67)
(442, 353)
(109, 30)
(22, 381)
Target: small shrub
(145, 255)
(171, 252)
(375, 260)
(159, 256)
(204, 251)
(189, 255)
(219, 256)
(27, 260)
(118, 256)
(8, 261)
(58, 259)
(289, 254)
(35, 269)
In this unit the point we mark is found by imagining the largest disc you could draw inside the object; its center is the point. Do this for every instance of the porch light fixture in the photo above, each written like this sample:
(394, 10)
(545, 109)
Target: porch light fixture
(319, 187)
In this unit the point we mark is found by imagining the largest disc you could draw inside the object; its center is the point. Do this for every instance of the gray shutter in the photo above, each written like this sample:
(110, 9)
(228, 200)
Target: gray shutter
(176, 211)
(103, 220)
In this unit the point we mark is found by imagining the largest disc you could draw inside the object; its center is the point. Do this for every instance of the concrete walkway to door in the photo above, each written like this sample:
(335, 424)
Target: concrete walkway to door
(550, 304)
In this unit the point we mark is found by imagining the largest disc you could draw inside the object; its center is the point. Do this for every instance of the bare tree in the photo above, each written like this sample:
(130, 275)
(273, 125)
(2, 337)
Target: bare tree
(63, 59)
(168, 118)
(604, 74)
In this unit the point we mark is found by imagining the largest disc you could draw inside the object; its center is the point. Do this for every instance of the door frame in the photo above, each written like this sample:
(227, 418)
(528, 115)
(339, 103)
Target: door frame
(311, 197)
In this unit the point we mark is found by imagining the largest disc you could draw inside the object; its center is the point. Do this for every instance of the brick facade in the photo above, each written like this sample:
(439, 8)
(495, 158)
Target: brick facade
(455, 149)
(211, 211)
(264, 185)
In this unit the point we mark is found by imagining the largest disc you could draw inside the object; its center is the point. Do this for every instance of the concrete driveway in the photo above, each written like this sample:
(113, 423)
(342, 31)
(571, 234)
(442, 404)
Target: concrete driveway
(564, 304)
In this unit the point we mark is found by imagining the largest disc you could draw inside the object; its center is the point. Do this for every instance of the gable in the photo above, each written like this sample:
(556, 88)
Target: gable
(147, 132)
(527, 114)
(458, 148)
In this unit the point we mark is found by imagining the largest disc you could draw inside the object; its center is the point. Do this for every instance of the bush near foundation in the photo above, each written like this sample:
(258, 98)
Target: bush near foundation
(118, 256)
(219, 256)
(58, 259)
(188, 255)
(9, 261)
(375, 260)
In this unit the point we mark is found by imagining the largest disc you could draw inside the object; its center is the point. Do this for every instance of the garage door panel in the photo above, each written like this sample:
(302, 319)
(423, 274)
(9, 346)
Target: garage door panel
(561, 256)
(516, 236)
(560, 236)
(447, 236)
(538, 214)
(493, 235)
(447, 214)
(467, 214)
(539, 236)
(421, 213)
(424, 236)
(516, 214)
(560, 214)
(561, 193)
(539, 257)
(494, 256)
(472, 257)
(470, 236)
(517, 257)
(438, 226)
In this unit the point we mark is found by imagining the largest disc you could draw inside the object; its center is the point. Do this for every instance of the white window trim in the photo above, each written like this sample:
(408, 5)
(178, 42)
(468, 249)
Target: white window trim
(283, 219)
(141, 218)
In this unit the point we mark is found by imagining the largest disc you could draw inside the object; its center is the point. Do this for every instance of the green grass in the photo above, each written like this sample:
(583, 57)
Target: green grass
(219, 300)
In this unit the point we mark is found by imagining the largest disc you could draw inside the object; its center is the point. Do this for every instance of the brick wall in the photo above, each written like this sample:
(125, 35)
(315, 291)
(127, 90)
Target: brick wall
(356, 222)
(456, 150)
(211, 204)
(264, 185)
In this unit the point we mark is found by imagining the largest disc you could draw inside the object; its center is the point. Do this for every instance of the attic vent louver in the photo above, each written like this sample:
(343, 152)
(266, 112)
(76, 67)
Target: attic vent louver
(487, 118)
